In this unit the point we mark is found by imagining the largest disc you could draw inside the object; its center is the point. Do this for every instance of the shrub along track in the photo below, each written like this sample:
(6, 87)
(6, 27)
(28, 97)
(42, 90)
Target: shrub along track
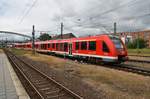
(37, 84)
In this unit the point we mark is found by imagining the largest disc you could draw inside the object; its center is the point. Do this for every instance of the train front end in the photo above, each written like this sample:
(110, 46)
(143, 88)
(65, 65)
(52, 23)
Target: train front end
(119, 49)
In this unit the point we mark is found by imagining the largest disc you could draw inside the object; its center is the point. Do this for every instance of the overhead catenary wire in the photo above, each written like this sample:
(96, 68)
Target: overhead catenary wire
(132, 2)
(27, 12)
(121, 6)
(136, 17)
(23, 11)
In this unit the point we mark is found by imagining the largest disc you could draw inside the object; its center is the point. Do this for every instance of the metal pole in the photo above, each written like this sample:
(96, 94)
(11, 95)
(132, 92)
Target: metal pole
(138, 43)
(33, 39)
(115, 28)
(2, 42)
(6, 43)
(61, 30)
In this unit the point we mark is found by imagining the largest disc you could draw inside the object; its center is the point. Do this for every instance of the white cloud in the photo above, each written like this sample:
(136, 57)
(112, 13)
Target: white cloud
(79, 16)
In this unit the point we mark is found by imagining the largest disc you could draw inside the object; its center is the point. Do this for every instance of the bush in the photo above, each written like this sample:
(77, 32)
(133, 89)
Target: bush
(44, 37)
(130, 45)
(137, 43)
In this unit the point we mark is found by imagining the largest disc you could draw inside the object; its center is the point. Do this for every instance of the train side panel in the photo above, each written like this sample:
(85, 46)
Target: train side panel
(100, 48)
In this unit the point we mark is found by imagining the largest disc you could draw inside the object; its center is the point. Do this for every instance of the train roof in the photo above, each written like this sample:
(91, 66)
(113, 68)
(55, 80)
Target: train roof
(90, 38)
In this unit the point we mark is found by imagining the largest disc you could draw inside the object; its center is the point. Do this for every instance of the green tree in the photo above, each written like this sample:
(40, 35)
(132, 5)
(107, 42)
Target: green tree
(130, 45)
(141, 43)
(44, 37)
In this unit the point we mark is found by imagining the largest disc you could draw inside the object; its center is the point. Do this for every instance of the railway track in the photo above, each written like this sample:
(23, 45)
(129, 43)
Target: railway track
(124, 67)
(140, 56)
(140, 61)
(131, 68)
(37, 84)
(145, 60)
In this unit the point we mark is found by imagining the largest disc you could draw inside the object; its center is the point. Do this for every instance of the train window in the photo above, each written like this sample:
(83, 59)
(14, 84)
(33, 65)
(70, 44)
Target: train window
(57, 46)
(45, 46)
(84, 45)
(118, 44)
(66, 47)
(61, 47)
(49, 45)
(77, 45)
(36, 46)
(53, 45)
(41, 46)
(116, 41)
(92, 45)
(105, 47)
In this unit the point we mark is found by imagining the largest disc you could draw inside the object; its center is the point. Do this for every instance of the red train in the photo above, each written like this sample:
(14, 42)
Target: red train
(103, 48)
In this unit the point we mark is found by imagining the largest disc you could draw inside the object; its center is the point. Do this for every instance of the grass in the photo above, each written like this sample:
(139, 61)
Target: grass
(139, 51)
(143, 52)
(23, 52)
(113, 83)
(117, 83)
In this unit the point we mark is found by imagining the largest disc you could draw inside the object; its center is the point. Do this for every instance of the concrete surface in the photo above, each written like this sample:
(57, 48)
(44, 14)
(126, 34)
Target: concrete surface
(10, 85)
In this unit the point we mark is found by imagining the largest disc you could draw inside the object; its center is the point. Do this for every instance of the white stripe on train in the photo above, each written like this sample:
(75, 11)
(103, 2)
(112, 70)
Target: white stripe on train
(89, 55)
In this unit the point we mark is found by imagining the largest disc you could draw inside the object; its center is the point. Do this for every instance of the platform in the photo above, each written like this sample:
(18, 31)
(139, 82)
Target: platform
(10, 86)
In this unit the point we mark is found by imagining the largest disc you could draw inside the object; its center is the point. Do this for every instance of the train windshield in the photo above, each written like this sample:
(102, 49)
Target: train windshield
(117, 41)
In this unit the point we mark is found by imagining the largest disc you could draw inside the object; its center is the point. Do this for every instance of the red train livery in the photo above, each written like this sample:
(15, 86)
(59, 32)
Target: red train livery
(105, 48)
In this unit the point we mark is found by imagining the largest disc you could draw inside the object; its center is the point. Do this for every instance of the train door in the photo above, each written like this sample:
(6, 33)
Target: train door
(70, 49)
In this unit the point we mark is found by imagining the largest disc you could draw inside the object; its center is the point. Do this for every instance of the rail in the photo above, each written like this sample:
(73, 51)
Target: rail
(42, 86)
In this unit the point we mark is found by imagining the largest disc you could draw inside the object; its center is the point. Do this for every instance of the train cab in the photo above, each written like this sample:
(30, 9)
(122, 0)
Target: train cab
(120, 48)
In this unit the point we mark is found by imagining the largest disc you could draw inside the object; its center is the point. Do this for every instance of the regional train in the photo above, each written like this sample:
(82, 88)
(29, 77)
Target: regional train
(102, 48)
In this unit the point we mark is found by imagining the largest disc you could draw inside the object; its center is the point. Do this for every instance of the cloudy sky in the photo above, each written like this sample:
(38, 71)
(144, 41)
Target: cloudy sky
(81, 17)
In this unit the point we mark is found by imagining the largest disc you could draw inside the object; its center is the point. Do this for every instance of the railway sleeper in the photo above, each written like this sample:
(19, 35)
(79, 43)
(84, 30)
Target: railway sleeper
(55, 96)
(41, 83)
(54, 91)
(39, 80)
(46, 86)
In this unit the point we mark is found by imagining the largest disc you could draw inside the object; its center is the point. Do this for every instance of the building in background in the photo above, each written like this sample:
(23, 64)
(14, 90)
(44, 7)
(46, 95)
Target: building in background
(64, 36)
(131, 36)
